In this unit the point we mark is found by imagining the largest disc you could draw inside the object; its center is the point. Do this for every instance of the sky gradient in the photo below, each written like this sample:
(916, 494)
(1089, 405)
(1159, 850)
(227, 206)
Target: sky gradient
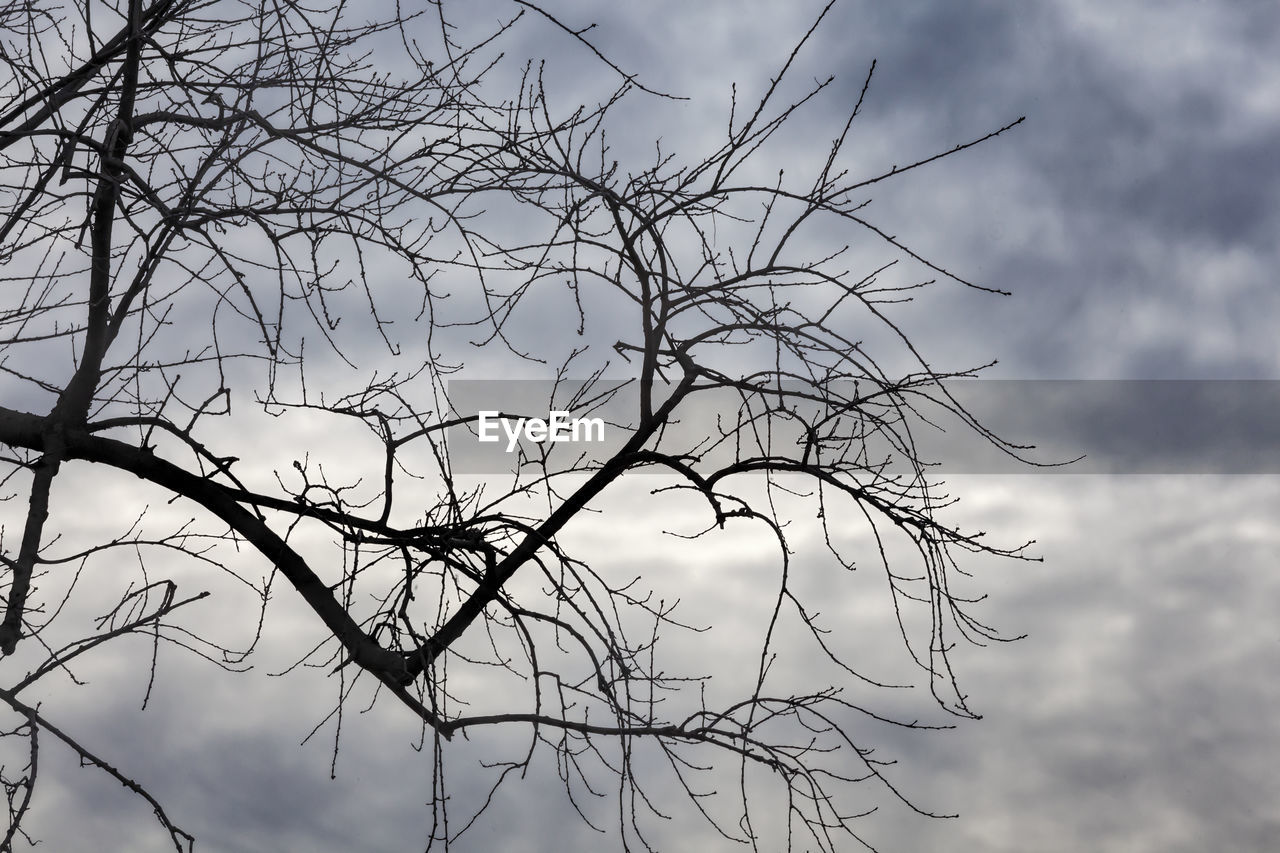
(1132, 217)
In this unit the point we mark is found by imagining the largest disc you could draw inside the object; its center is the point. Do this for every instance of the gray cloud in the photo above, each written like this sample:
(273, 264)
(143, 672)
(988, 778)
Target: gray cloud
(1133, 217)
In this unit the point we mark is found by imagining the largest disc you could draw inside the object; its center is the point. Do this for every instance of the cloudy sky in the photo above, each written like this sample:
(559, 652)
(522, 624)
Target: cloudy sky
(1132, 217)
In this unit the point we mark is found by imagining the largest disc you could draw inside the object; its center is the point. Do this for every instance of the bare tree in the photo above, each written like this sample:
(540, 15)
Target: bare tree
(212, 208)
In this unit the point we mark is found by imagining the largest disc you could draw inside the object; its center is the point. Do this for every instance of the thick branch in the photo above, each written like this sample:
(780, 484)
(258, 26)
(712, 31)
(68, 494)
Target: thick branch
(20, 429)
(490, 587)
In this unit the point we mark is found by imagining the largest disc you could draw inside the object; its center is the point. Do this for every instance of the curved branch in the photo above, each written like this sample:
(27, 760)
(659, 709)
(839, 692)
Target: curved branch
(21, 429)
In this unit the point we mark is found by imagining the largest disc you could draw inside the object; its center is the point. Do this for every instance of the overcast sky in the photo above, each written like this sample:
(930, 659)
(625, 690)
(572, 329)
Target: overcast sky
(1133, 217)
